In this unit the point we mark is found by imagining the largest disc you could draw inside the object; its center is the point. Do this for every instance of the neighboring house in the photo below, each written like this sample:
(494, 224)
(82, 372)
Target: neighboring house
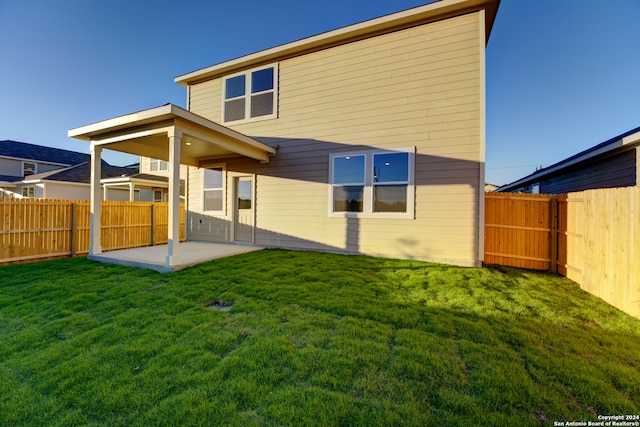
(368, 139)
(20, 161)
(488, 188)
(613, 163)
(36, 171)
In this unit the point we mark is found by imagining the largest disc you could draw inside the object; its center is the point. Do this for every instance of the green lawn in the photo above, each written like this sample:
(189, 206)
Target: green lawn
(310, 339)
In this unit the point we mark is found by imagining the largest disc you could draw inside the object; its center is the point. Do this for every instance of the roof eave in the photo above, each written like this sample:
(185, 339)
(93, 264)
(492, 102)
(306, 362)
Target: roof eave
(407, 18)
(618, 144)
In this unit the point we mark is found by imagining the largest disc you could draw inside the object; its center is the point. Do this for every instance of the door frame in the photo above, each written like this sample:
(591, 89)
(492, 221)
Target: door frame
(233, 180)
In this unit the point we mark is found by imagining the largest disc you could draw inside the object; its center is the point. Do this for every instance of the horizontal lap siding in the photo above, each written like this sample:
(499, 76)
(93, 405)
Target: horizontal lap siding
(616, 171)
(416, 87)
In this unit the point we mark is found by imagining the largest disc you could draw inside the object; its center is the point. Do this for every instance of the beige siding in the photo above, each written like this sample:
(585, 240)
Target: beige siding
(418, 87)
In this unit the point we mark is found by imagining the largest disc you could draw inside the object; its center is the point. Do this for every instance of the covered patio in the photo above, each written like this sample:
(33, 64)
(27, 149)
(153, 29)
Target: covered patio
(168, 133)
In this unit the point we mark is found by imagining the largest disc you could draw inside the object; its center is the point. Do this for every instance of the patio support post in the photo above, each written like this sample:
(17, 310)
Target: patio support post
(132, 197)
(95, 248)
(173, 256)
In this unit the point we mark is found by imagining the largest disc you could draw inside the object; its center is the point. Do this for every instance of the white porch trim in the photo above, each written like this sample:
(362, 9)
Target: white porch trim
(95, 200)
(167, 133)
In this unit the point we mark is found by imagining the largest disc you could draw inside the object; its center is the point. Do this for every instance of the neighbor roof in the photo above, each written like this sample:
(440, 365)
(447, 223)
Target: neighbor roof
(81, 173)
(25, 151)
(616, 144)
(405, 19)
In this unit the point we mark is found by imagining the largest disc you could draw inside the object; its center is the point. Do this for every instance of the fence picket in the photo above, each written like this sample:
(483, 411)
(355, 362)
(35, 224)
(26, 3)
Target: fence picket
(37, 229)
(593, 239)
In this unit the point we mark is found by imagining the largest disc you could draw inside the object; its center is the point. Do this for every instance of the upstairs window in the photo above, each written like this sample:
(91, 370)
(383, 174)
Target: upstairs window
(28, 168)
(252, 95)
(156, 165)
(373, 184)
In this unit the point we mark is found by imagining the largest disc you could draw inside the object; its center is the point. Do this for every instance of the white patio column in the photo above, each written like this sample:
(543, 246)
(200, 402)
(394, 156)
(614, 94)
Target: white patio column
(95, 248)
(132, 197)
(173, 256)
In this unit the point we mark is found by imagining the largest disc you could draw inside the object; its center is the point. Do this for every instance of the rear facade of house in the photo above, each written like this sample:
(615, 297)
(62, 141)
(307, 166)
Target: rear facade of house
(379, 132)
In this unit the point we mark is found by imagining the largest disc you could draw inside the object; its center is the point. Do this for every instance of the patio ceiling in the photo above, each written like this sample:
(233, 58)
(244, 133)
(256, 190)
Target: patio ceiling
(146, 133)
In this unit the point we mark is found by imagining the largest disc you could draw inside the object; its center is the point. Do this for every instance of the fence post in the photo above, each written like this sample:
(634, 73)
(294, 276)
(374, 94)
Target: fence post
(553, 241)
(153, 224)
(74, 230)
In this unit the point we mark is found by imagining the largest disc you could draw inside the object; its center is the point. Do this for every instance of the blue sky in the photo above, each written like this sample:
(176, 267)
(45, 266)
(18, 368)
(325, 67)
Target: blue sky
(562, 75)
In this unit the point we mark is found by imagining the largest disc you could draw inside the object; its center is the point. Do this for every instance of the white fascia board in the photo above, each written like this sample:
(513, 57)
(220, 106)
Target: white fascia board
(631, 139)
(138, 118)
(145, 182)
(77, 184)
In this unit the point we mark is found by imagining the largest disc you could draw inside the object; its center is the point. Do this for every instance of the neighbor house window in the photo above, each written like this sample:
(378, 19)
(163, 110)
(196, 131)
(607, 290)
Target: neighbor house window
(156, 165)
(251, 95)
(29, 192)
(158, 196)
(376, 183)
(28, 168)
(214, 189)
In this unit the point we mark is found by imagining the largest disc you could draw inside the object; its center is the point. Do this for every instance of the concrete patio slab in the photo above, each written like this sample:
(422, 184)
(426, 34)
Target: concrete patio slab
(191, 253)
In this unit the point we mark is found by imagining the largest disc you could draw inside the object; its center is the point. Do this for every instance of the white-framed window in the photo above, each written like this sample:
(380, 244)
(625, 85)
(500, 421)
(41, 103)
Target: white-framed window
(372, 184)
(29, 192)
(213, 189)
(156, 165)
(250, 95)
(29, 168)
(158, 196)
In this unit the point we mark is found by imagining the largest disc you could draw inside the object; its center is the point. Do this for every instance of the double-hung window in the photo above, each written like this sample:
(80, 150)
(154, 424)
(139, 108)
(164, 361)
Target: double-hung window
(375, 184)
(252, 95)
(156, 165)
(390, 182)
(214, 189)
(348, 183)
(28, 192)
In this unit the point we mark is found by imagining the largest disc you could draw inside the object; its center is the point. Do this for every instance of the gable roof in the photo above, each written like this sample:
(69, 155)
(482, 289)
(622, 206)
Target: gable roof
(385, 24)
(611, 146)
(10, 178)
(25, 151)
(81, 173)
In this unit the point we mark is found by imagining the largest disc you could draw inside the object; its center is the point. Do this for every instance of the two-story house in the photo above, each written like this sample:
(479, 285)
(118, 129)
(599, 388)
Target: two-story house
(368, 139)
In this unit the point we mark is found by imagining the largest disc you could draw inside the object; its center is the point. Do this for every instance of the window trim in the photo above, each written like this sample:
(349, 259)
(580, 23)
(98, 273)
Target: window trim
(247, 95)
(367, 199)
(29, 187)
(35, 168)
(223, 211)
(159, 161)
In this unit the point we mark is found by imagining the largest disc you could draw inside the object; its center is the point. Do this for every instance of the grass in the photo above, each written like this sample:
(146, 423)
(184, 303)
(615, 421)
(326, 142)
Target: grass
(310, 339)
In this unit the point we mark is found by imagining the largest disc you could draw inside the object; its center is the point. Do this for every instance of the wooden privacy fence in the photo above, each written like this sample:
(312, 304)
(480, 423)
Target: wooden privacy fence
(519, 230)
(592, 237)
(35, 229)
